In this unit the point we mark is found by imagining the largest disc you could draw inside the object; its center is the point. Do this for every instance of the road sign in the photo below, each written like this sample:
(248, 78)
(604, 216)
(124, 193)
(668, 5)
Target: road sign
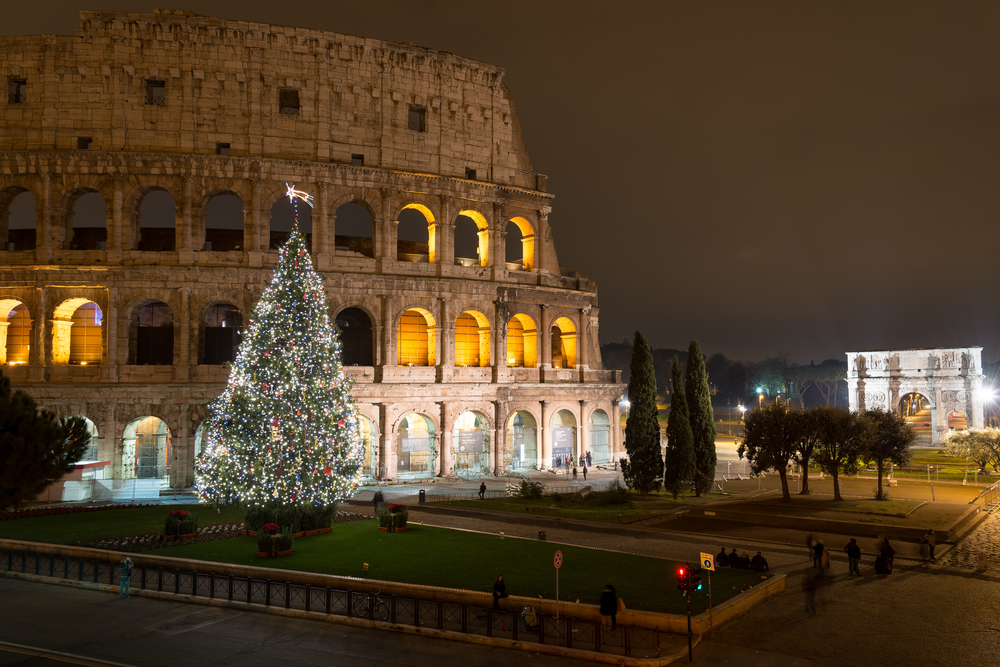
(557, 561)
(708, 562)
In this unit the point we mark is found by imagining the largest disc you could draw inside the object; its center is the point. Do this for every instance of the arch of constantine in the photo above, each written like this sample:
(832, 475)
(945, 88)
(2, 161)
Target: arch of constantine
(143, 163)
(935, 389)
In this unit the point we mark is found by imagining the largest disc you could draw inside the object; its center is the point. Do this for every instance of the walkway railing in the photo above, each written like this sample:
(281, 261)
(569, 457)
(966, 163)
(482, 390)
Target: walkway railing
(399, 610)
(990, 496)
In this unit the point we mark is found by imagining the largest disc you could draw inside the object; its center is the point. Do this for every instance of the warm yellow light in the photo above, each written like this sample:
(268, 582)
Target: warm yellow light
(83, 363)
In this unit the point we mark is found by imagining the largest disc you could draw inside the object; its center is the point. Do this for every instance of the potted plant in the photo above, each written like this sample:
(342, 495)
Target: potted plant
(272, 541)
(393, 518)
(180, 525)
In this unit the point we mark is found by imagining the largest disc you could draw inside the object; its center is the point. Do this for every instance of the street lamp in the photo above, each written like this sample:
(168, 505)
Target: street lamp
(626, 403)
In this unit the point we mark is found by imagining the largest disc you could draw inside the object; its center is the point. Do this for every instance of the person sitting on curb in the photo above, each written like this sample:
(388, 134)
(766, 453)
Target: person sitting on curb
(530, 618)
(759, 563)
(745, 561)
(609, 606)
(499, 591)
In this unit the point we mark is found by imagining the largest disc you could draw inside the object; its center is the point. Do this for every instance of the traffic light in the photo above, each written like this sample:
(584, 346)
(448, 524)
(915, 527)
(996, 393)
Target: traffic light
(682, 579)
(696, 579)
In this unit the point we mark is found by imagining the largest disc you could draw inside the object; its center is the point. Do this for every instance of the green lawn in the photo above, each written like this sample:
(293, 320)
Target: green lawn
(588, 510)
(458, 559)
(83, 526)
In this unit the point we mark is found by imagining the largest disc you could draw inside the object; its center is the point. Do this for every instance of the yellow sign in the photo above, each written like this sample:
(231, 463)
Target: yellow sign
(708, 562)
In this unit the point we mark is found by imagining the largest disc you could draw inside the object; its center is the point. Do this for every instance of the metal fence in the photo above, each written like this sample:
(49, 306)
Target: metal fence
(990, 496)
(410, 611)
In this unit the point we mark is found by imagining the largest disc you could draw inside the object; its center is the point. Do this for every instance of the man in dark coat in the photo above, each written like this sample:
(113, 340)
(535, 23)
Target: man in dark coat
(759, 564)
(734, 559)
(482, 490)
(853, 557)
(722, 560)
(609, 607)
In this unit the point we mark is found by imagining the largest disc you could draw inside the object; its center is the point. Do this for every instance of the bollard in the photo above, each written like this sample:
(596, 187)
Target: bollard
(541, 536)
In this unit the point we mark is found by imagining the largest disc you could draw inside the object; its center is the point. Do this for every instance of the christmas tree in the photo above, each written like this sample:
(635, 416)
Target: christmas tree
(285, 431)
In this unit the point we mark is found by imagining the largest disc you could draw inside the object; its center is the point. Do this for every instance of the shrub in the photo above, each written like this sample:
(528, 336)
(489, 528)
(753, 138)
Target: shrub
(398, 519)
(556, 497)
(616, 494)
(298, 519)
(401, 518)
(385, 518)
(271, 542)
(530, 490)
(180, 522)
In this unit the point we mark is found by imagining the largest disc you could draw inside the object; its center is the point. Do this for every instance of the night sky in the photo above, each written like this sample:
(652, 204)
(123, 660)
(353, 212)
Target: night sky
(767, 177)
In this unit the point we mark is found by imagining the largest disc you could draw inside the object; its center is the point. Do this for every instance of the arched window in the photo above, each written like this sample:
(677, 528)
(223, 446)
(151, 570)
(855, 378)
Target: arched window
(521, 452)
(563, 439)
(89, 223)
(17, 218)
(282, 217)
(413, 235)
(600, 437)
(472, 339)
(354, 231)
(417, 338)
(92, 454)
(152, 336)
(224, 223)
(563, 343)
(522, 342)
(471, 223)
(520, 245)
(146, 450)
(471, 441)
(369, 448)
(15, 332)
(415, 447)
(221, 333)
(86, 345)
(356, 338)
(157, 222)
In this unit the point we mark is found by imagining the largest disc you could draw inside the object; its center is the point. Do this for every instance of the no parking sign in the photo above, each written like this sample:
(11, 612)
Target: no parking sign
(708, 562)
(557, 561)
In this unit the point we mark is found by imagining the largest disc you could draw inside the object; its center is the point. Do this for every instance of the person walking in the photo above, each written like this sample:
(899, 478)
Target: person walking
(811, 586)
(590, 463)
(574, 472)
(853, 557)
(817, 546)
(887, 555)
(125, 576)
(609, 607)
(377, 501)
(759, 563)
(930, 538)
(482, 490)
(499, 591)
(585, 473)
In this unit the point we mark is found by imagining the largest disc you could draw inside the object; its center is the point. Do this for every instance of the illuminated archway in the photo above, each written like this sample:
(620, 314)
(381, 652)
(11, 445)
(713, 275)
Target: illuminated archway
(470, 439)
(563, 338)
(415, 446)
(357, 337)
(483, 233)
(916, 411)
(525, 238)
(563, 427)
(77, 336)
(416, 235)
(600, 437)
(15, 332)
(521, 452)
(369, 447)
(472, 339)
(417, 338)
(522, 342)
(146, 449)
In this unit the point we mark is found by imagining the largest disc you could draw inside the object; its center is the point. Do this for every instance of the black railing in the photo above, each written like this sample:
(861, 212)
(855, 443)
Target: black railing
(156, 100)
(456, 617)
(289, 111)
(16, 98)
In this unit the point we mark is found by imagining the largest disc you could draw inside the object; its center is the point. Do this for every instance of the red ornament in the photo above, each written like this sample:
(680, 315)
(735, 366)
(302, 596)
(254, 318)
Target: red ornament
(340, 423)
(327, 470)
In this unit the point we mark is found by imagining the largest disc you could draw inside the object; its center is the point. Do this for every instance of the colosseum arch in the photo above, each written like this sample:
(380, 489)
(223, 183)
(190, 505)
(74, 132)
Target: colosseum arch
(520, 243)
(417, 335)
(522, 342)
(370, 438)
(357, 336)
(563, 341)
(482, 233)
(150, 325)
(354, 227)
(77, 333)
(223, 222)
(220, 329)
(15, 332)
(471, 441)
(523, 445)
(415, 445)
(416, 234)
(18, 219)
(152, 220)
(85, 223)
(565, 437)
(472, 339)
(280, 222)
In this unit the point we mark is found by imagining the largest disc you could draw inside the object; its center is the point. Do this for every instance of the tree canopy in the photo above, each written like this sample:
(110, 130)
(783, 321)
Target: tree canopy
(679, 462)
(644, 469)
(887, 440)
(699, 401)
(771, 438)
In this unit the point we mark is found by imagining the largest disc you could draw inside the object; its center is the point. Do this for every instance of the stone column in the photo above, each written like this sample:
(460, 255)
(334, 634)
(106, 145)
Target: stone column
(182, 456)
(253, 243)
(323, 229)
(182, 369)
(187, 231)
(112, 358)
(545, 439)
(583, 341)
(44, 232)
(446, 465)
(386, 229)
(545, 338)
(60, 341)
(584, 429)
(117, 234)
(499, 443)
(447, 231)
(445, 341)
(616, 429)
(38, 355)
(390, 350)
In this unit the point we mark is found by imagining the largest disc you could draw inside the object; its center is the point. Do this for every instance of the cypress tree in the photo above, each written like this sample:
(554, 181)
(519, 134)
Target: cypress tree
(679, 464)
(644, 469)
(702, 419)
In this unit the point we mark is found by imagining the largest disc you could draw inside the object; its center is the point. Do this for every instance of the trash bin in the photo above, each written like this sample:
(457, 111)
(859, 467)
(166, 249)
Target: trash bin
(423, 496)
(541, 536)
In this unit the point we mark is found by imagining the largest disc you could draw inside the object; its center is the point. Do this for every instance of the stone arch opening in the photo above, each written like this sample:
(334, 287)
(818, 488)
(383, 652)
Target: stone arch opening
(369, 447)
(475, 238)
(470, 439)
(357, 337)
(146, 450)
(916, 411)
(77, 333)
(522, 342)
(417, 338)
(155, 225)
(91, 453)
(200, 438)
(472, 339)
(221, 334)
(354, 230)
(521, 452)
(415, 446)
(414, 234)
(282, 217)
(957, 421)
(600, 437)
(563, 340)
(18, 220)
(564, 450)
(87, 227)
(520, 245)
(15, 332)
(224, 222)
(151, 335)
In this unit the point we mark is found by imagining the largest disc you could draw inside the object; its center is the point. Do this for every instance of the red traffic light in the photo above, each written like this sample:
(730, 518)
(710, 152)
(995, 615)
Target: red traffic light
(680, 571)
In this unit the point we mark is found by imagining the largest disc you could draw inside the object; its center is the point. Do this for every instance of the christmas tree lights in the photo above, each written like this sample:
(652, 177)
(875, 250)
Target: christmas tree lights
(285, 431)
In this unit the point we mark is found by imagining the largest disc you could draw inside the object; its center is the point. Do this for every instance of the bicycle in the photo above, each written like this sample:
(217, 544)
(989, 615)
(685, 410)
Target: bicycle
(367, 602)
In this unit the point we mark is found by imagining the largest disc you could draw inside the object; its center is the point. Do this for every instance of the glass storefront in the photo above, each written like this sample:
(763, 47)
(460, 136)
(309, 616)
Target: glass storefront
(471, 442)
(415, 447)
(520, 452)
(600, 437)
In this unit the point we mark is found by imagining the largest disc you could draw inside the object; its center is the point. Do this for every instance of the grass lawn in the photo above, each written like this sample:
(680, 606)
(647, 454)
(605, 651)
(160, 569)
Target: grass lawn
(472, 561)
(83, 526)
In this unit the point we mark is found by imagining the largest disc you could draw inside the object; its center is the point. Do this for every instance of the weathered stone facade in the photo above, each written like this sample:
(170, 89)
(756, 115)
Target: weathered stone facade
(200, 107)
(949, 381)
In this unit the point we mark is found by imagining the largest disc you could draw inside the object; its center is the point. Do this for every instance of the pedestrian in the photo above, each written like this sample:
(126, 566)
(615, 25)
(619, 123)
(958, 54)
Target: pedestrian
(585, 473)
(590, 463)
(482, 490)
(745, 561)
(377, 501)
(931, 541)
(125, 576)
(574, 473)
(499, 591)
(824, 561)
(734, 559)
(887, 555)
(722, 560)
(530, 618)
(817, 546)
(811, 586)
(583, 460)
(853, 557)
(609, 607)
(759, 563)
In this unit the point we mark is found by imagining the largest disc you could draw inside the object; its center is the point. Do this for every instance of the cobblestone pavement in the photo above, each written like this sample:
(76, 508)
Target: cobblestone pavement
(983, 539)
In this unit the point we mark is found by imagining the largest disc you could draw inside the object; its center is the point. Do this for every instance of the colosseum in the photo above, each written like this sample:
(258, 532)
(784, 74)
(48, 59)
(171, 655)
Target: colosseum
(143, 163)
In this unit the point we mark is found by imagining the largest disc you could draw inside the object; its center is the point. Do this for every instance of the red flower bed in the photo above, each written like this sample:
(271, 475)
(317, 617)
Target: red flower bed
(156, 540)
(397, 508)
(51, 511)
(271, 528)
